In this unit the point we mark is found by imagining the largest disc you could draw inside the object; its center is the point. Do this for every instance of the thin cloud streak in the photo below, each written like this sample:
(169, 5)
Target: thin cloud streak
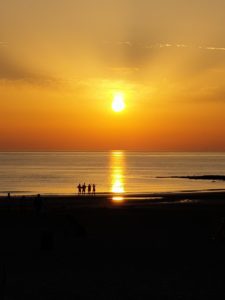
(163, 45)
(168, 45)
(213, 48)
(3, 44)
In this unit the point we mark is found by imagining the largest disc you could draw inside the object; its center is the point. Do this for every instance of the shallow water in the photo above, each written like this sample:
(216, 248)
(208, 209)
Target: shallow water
(115, 171)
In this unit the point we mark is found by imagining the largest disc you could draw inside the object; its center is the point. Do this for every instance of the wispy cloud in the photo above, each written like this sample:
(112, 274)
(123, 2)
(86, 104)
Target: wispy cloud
(3, 44)
(11, 73)
(212, 48)
(125, 43)
(120, 43)
(170, 45)
(128, 43)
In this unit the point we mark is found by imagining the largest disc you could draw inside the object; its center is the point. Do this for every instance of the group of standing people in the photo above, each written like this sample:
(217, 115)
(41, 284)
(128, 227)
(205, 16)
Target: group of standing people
(91, 189)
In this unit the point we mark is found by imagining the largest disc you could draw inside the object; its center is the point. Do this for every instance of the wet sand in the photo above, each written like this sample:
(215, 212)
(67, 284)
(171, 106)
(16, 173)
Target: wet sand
(159, 246)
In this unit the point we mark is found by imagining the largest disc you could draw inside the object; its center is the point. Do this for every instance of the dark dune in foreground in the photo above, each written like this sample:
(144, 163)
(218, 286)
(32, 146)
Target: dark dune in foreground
(151, 246)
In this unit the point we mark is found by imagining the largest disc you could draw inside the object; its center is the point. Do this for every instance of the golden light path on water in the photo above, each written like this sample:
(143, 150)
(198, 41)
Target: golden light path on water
(117, 174)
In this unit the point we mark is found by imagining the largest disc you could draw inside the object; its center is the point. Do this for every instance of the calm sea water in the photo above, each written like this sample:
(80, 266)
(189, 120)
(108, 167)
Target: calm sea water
(115, 171)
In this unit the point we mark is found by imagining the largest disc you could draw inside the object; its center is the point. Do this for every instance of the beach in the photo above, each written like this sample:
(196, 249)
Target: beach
(160, 245)
(112, 150)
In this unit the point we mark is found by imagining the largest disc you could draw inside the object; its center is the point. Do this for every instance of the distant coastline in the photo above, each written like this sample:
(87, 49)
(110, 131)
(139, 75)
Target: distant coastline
(201, 177)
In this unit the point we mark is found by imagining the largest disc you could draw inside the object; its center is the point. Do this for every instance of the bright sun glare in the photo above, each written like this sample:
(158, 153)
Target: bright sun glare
(118, 102)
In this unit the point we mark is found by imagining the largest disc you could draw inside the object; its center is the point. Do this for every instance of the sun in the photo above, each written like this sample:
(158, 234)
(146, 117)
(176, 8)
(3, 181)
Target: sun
(118, 102)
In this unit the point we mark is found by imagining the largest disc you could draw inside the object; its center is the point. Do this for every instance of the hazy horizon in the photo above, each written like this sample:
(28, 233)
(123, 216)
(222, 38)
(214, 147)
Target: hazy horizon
(110, 150)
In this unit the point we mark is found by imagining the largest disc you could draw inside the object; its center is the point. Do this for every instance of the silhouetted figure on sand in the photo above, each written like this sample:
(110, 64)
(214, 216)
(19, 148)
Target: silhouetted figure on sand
(93, 189)
(38, 204)
(79, 188)
(84, 188)
(89, 188)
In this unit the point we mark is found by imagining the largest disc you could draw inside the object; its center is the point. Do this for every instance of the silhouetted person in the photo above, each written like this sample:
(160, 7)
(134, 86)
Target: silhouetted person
(9, 196)
(84, 188)
(93, 189)
(89, 188)
(38, 203)
(79, 188)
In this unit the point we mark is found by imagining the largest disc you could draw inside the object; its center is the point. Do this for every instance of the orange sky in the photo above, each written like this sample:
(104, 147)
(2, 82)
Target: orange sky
(61, 63)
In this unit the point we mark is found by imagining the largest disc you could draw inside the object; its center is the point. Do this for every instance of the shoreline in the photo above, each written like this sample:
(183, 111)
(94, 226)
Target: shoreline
(104, 193)
(212, 197)
(212, 178)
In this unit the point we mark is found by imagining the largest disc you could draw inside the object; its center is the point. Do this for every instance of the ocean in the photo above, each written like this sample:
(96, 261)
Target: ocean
(112, 171)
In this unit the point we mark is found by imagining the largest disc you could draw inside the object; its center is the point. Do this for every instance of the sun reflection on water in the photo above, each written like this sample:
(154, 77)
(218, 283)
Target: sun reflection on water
(118, 199)
(117, 175)
(117, 182)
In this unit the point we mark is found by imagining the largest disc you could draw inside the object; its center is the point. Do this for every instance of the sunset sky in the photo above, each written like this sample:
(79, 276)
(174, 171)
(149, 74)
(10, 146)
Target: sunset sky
(63, 62)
